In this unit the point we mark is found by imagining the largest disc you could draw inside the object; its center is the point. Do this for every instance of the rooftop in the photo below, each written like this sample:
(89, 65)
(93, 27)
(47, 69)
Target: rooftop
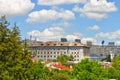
(54, 43)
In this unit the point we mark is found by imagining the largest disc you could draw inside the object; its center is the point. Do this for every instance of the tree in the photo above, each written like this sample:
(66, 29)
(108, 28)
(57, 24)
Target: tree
(114, 70)
(39, 72)
(64, 58)
(14, 57)
(116, 62)
(89, 70)
(56, 74)
(113, 73)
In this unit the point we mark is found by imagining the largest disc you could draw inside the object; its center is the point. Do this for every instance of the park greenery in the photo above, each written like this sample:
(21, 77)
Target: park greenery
(15, 63)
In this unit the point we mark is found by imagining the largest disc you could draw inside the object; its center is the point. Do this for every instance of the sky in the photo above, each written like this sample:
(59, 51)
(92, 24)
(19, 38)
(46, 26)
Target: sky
(50, 20)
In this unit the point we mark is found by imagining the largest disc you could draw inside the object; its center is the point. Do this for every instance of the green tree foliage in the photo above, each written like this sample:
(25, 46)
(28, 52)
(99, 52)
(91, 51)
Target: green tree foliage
(39, 72)
(116, 62)
(113, 73)
(56, 74)
(64, 58)
(89, 70)
(14, 57)
(114, 70)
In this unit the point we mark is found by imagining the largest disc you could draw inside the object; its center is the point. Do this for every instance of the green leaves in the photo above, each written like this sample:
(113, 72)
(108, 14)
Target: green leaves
(114, 70)
(13, 59)
(89, 70)
(63, 59)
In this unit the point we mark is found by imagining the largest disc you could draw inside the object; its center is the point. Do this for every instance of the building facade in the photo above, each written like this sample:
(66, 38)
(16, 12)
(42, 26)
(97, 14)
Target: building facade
(51, 49)
(99, 52)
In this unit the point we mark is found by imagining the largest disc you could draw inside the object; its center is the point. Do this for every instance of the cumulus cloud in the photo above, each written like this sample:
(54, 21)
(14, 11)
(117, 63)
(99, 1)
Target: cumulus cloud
(94, 28)
(93, 40)
(74, 36)
(46, 15)
(53, 33)
(56, 2)
(96, 9)
(12, 8)
(109, 35)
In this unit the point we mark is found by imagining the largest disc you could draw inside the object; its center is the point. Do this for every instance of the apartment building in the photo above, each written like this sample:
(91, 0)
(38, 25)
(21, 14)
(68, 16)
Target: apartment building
(51, 49)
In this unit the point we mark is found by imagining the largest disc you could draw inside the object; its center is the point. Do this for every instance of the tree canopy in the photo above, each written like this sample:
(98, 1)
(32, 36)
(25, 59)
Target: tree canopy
(64, 58)
(89, 70)
(114, 70)
(14, 56)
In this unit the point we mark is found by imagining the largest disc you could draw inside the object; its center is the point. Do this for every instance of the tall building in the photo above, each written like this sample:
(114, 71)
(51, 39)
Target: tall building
(51, 49)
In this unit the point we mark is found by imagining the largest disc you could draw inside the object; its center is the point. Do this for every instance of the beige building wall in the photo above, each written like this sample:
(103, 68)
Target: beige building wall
(50, 50)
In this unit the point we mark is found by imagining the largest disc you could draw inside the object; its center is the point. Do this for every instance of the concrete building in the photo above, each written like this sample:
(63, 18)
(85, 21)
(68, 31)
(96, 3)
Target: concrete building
(51, 49)
(99, 52)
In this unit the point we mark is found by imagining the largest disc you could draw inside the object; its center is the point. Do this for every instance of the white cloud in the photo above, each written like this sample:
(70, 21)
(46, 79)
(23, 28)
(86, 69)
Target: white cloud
(46, 15)
(93, 40)
(74, 36)
(52, 33)
(95, 27)
(96, 9)
(12, 8)
(56, 2)
(56, 33)
(117, 42)
(109, 35)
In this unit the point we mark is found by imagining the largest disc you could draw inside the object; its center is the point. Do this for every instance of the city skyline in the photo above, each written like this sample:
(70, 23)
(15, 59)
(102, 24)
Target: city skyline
(94, 20)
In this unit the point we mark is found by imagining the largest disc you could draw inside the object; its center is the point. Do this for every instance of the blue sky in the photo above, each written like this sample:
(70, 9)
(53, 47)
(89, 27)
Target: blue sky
(46, 20)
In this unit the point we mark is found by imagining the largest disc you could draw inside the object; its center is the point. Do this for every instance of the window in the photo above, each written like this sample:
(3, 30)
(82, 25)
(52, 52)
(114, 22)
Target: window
(38, 52)
(75, 44)
(74, 52)
(44, 52)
